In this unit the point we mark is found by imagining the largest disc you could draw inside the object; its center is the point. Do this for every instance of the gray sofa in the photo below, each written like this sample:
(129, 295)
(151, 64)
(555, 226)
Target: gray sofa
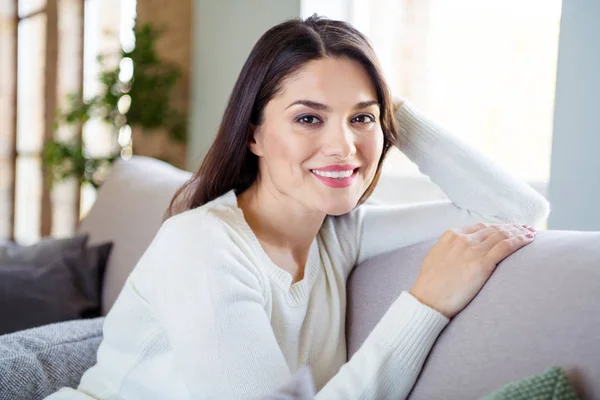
(539, 309)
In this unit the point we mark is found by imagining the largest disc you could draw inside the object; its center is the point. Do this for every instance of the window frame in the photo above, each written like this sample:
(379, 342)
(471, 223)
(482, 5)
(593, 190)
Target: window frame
(50, 101)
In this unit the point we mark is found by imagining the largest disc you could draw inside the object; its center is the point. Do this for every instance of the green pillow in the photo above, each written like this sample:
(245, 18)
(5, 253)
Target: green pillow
(552, 384)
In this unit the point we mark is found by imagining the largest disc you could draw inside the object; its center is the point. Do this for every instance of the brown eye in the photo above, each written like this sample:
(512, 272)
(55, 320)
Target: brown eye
(308, 120)
(363, 119)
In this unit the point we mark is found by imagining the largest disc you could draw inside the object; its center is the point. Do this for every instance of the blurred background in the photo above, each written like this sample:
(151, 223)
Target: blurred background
(86, 82)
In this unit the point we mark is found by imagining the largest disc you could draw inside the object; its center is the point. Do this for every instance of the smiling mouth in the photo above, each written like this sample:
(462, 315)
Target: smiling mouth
(335, 174)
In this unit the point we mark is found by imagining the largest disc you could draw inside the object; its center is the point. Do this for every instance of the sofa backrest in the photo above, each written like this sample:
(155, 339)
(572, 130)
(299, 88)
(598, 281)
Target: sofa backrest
(540, 308)
(128, 211)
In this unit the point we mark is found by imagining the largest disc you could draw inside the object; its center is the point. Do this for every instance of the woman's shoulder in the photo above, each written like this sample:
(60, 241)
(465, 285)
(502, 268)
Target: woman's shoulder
(203, 240)
(200, 237)
(214, 216)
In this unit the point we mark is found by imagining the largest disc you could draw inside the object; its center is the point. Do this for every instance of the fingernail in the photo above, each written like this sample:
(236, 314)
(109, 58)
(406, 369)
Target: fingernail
(531, 235)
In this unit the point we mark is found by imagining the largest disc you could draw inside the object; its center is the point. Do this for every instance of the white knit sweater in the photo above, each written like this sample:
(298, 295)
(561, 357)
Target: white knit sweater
(207, 315)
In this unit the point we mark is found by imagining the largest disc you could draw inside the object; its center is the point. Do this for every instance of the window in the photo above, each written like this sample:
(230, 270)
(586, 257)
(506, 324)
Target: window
(484, 69)
(29, 65)
(8, 101)
(108, 26)
(42, 59)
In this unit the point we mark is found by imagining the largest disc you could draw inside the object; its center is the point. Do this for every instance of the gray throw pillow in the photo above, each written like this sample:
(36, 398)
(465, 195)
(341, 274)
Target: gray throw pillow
(91, 278)
(45, 248)
(53, 281)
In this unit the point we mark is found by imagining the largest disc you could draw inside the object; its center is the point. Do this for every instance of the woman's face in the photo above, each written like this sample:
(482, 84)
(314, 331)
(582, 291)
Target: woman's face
(321, 139)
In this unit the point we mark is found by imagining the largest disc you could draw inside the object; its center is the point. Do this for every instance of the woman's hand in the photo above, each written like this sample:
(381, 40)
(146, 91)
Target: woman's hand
(458, 266)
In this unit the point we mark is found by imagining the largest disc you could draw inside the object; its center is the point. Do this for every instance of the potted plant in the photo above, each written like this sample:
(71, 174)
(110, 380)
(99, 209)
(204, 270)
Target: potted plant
(139, 101)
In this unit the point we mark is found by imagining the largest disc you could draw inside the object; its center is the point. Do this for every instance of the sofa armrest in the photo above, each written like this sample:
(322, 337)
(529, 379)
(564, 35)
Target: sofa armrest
(36, 362)
(541, 307)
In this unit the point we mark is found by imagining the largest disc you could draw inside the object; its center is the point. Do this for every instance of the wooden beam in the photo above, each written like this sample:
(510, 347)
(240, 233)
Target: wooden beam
(50, 88)
(80, 77)
(13, 136)
(66, 195)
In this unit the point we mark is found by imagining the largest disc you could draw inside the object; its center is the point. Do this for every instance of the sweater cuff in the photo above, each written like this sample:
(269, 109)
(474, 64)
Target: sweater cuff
(417, 134)
(410, 329)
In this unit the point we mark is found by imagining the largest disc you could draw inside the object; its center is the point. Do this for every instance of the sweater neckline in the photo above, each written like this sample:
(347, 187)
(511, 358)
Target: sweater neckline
(299, 291)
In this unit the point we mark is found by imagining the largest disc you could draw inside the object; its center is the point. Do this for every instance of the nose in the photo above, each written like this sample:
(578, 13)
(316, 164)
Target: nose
(339, 142)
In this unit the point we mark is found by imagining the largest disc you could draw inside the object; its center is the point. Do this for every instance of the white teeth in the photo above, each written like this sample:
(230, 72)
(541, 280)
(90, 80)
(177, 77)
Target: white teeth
(334, 174)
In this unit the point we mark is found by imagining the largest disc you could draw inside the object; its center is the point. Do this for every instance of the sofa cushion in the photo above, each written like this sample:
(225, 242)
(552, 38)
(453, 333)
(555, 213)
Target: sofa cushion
(538, 309)
(128, 211)
(54, 280)
(36, 362)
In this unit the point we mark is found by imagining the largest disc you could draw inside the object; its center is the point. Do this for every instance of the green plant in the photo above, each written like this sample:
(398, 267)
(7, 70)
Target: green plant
(141, 100)
(68, 160)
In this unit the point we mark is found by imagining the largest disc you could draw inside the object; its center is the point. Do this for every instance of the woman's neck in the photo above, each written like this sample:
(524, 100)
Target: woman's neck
(285, 228)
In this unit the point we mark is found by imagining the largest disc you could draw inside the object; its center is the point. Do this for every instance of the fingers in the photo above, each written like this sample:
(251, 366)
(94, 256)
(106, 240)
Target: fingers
(505, 247)
(472, 228)
(490, 236)
(487, 229)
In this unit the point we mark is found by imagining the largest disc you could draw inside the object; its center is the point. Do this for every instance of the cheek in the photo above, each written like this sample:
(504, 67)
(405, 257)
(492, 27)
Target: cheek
(287, 153)
(372, 148)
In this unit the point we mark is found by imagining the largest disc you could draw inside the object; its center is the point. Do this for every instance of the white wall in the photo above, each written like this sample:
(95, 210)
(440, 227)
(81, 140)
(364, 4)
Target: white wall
(574, 188)
(224, 33)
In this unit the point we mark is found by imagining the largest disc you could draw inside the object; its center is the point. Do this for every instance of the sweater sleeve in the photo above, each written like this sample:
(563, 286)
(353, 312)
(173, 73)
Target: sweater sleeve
(390, 359)
(212, 308)
(478, 190)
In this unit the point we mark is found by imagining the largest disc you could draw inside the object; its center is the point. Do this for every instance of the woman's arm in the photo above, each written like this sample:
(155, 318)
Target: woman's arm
(479, 190)
(212, 308)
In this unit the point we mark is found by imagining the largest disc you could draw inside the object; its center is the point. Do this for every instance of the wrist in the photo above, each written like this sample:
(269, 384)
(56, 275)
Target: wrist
(420, 298)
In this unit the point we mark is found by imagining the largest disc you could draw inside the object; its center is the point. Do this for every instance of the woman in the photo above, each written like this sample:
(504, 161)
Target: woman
(245, 281)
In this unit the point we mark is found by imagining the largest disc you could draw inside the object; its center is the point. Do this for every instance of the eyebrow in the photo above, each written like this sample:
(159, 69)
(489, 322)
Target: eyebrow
(323, 107)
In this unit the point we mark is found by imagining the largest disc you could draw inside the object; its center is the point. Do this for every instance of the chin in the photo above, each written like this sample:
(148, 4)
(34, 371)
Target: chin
(339, 207)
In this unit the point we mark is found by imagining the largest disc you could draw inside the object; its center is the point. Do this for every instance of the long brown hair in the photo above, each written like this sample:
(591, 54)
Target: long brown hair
(279, 53)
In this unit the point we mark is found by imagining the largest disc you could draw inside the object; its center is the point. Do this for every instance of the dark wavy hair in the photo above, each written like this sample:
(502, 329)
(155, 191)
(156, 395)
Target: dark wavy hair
(279, 53)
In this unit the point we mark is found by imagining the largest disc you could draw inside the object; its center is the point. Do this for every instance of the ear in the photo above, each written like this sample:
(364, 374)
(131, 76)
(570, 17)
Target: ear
(256, 144)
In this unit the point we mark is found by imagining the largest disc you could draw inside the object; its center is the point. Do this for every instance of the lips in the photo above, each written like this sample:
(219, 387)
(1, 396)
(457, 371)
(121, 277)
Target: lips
(336, 176)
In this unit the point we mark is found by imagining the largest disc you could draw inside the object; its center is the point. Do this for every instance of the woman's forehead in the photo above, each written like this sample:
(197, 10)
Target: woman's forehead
(329, 80)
